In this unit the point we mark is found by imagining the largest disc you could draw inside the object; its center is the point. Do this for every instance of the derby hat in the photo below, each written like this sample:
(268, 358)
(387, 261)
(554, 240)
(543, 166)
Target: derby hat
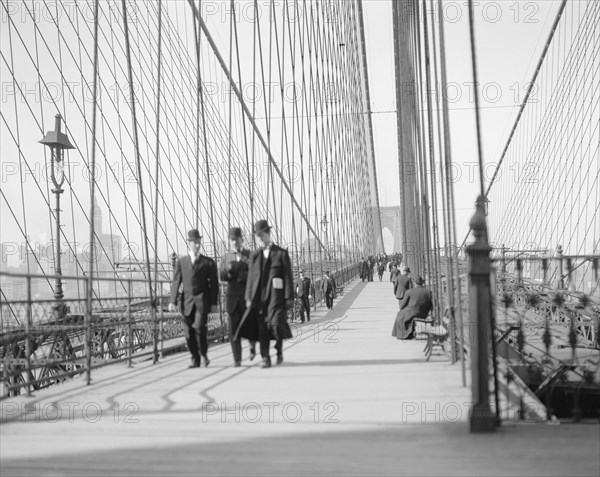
(261, 226)
(420, 281)
(234, 233)
(194, 235)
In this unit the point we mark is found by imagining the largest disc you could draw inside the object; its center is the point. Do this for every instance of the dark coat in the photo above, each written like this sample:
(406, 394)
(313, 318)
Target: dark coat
(275, 273)
(364, 269)
(304, 288)
(200, 284)
(417, 304)
(325, 284)
(401, 285)
(235, 274)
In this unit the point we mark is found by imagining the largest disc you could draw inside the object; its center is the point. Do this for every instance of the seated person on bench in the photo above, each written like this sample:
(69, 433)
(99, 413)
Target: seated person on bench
(416, 304)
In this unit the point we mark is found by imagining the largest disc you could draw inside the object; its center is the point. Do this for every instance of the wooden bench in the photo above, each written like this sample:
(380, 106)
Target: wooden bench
(436, 337)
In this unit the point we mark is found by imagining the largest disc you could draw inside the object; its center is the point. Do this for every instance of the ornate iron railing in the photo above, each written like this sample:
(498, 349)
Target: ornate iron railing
(44, 341)
(552, 329)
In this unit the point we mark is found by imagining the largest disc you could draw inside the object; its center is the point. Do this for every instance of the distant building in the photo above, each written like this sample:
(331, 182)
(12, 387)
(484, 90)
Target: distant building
(108, 246)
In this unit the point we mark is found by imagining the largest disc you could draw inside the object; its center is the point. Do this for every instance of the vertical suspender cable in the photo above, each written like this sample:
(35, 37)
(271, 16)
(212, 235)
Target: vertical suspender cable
(200, 94)
(481, 187)
(400, 129)
(250, 118)
(378, 230)
(137, 151)
(197, 44)
(434, 215)
(476, 97)
(157, 170)
(445, 204)
(90, 282)
(450, 194)
(529, 91)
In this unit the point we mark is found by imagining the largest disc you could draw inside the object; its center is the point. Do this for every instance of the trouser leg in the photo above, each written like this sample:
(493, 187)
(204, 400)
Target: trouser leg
(306, 306)
(236, 344)
(279, 347)
(263, 337)
(190, 336)
(301, 311)
(202, 333)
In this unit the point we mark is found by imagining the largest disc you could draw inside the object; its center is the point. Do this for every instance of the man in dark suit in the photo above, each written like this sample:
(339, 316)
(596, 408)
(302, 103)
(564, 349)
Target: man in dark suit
(328, 286)
(234, 271)
(269, 293)
(416, 304)
(364, 269)
(380, 269)
(371, 265)
(198, 275)
(402, 284)
(304, 291)
(394, 271)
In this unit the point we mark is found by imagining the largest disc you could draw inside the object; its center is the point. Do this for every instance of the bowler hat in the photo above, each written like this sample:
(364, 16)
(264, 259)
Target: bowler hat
(261, 226)
(420, 281)
(235, 232)
(194, 235)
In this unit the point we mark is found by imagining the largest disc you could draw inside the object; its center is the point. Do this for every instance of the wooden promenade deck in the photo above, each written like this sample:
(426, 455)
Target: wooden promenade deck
(348, 400)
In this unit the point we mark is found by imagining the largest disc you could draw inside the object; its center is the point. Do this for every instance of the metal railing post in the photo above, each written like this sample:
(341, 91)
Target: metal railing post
(129, 327)
(28, 337)
(161, 330)
(561, 278)
(481, 418)
(153, 316)
(88, 331)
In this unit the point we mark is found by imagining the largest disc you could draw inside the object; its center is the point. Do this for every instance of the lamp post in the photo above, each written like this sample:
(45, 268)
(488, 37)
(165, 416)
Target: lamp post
(57, 142)
(480, 322)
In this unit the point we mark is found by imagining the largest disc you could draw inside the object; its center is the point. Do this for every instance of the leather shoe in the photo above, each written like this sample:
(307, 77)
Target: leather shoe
(237, 364)
(195, 364)
(279, 359)
(252, 354)
(206, 362)
(266, 363)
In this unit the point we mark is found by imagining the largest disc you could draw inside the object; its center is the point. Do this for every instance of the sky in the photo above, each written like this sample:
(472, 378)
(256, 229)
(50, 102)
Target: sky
(510, 36)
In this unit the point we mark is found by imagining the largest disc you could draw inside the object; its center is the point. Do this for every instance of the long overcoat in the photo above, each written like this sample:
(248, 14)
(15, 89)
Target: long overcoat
(417, 304)
(269, 288)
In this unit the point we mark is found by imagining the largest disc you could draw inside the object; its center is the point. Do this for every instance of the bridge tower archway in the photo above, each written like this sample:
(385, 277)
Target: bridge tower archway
(391, 220)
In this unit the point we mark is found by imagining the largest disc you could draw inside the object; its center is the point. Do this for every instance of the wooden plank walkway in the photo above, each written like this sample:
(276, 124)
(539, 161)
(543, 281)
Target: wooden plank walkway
(348, 400)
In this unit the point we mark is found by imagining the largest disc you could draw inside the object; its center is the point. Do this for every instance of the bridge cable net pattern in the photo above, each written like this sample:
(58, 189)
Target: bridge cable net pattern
(424, 141)
(544, 229)
(545, 191)
(555, 136)
(209, 115)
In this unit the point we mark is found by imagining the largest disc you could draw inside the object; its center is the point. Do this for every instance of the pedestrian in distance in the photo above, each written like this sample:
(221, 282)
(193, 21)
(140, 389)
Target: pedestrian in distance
(328, 287)
(304, 292)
